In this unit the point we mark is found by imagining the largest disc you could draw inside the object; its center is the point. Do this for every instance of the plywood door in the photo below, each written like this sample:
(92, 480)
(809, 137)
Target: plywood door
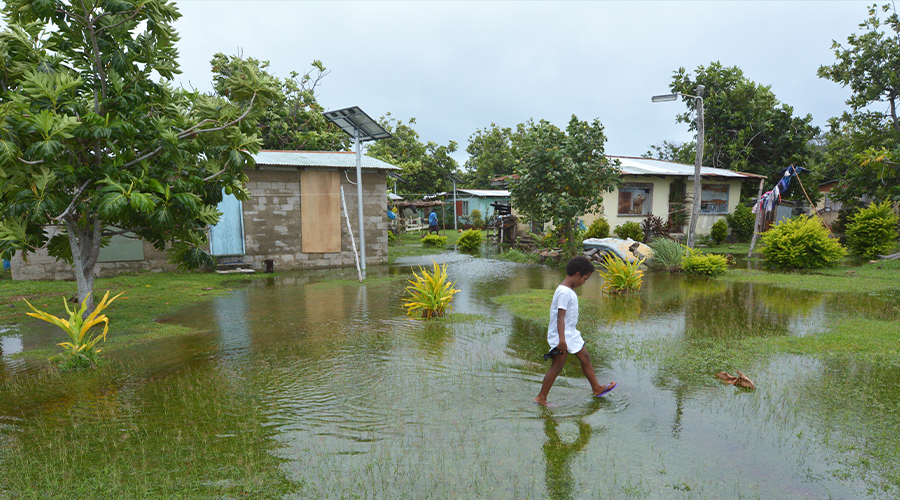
(320, 211)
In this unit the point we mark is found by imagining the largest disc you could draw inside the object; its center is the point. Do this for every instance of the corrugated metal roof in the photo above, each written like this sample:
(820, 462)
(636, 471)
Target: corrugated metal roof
(486, 193)
(650, 166)
(335, 159)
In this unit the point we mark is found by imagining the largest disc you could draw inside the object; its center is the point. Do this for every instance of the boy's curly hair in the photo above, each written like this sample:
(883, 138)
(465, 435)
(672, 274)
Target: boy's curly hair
(580, 264)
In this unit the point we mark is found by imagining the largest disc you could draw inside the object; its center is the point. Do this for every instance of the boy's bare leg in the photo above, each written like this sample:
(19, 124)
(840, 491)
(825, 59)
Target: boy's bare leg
(559, 361)
(588, 369)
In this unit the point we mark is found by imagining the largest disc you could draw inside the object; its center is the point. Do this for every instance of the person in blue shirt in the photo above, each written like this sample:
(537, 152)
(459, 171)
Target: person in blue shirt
(433, 222)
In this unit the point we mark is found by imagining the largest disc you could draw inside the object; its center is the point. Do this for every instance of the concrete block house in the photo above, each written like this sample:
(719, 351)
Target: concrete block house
(294, 218)
(647, 184)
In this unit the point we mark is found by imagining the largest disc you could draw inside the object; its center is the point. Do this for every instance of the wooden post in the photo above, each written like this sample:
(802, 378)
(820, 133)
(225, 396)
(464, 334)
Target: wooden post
(760, 217)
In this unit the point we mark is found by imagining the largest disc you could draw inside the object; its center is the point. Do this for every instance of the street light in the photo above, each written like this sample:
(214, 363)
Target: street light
(698, 159)
(357, 124)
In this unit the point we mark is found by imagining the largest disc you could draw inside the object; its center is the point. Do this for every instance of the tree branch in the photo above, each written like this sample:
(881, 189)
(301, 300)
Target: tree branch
(133, 15)
(30, 162)
(74, 199)
(192, 131)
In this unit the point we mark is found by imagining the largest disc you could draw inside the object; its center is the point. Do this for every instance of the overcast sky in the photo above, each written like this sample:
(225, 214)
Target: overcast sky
(459, 66)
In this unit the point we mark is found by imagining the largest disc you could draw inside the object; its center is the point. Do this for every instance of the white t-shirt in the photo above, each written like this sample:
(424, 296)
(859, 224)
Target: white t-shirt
(565, 298)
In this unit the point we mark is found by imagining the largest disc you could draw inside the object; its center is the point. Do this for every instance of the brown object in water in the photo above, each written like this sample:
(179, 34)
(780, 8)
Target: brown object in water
(741, 380)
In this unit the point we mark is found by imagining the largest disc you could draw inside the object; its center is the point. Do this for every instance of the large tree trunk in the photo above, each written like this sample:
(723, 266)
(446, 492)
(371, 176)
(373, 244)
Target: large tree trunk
(85, 243)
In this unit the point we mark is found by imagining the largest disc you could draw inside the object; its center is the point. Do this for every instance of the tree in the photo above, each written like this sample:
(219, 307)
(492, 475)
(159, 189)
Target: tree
(426, 167)
(492, 154)
(296, 122)
(863, 147)
(562, 174)
(92, 146)
(747, 128)
(677, 152)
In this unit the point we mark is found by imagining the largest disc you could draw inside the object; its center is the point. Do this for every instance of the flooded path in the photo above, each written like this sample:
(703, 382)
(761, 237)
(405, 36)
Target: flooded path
(328, 389)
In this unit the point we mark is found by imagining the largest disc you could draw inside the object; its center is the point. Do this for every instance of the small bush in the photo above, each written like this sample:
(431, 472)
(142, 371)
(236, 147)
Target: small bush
(430, 293)
(872, 231)
(697, 263)
(476, 219)
(630, 230)
(391, 237)
(433, 240)
(470, 241)
(667, 255)
(654, 227)
(741, 223)
(620, 276)
(718, 232)
(514, 255)
(800, 243)
(598, 229)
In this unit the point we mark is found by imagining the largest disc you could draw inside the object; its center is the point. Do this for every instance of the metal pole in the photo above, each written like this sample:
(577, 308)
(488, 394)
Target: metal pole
(359, 193)
(698, 162)
(454, 205)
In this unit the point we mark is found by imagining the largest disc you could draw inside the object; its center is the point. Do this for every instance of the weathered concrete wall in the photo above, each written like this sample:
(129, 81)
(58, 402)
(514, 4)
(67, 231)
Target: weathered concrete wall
(40, 266)
(271, 231)
(272, 222)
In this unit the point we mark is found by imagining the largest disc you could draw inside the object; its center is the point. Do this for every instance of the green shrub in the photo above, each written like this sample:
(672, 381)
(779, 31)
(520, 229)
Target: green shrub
(433, 240)
(718, 232)
(741, 223)
(470, 241)
(476, 219)
(630, 230)
(872, 231)
(800, 243)
(514, 255)
(598, 229)
(667, 255)
(620, 276)
(697, 263)
(391, 237)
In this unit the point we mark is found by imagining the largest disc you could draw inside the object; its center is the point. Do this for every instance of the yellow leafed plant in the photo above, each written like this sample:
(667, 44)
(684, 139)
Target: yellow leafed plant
(430, 293)
(80, 352)
(620, 276)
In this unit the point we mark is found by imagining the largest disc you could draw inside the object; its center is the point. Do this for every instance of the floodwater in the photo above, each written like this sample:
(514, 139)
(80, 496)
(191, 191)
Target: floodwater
(329, 389)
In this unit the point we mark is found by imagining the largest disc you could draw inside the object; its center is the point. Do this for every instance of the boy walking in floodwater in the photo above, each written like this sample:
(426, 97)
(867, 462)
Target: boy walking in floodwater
(562, 332)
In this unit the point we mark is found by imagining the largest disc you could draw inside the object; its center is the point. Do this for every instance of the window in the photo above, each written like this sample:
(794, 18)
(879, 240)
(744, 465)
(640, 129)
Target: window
(635, 198)
(714, 199)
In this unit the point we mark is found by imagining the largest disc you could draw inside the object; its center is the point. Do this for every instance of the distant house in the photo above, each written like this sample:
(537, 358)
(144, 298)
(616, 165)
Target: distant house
(479, 199)
(646, 187)
(647, 184)
(294, 218)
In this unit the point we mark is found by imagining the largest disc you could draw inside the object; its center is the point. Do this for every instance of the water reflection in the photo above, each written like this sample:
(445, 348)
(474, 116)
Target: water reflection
(315, 379)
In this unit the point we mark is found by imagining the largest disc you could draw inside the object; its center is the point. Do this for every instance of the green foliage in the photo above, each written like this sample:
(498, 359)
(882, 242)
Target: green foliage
(598, 229)
(94, 141)
(677, 152)
(470, 241)
(697, 263)
(79, 351)
(718, 231)
(514, 255)
(746, 127)
(430, 293)
(873, 231)
(492, 154)
(562, 174)
(620, 276)
(476, 219)
(741, 222)
(426, 166)
(433, 240)
(392, 237)
(667, 255)
(863, 146)
(630, 230)
(800, 243)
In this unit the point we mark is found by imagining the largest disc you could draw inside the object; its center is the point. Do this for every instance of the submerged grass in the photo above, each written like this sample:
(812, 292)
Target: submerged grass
(877, 277)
